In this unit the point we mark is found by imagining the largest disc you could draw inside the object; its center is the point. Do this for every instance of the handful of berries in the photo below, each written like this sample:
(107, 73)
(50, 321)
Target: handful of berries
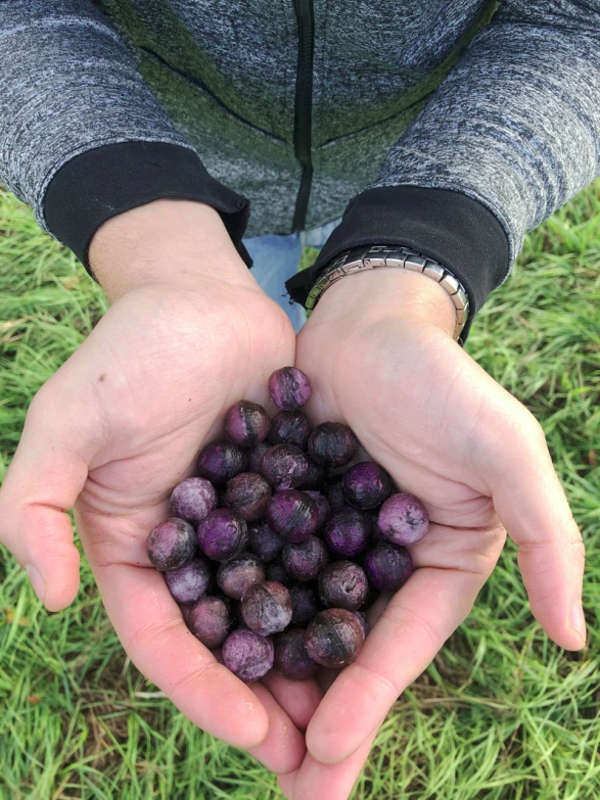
(280, 542)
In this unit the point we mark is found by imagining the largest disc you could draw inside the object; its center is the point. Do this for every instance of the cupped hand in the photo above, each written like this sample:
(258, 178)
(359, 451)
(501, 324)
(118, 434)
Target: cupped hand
(111, 433)
(379, 351)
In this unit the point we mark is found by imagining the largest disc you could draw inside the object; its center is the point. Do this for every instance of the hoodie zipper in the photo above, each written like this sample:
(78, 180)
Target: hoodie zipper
(303, 107)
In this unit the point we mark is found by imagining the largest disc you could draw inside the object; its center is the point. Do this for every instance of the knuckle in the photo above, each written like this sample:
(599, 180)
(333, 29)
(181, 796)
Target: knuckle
(403, 619)
(370, 675)
(151, 634)
(192, 677)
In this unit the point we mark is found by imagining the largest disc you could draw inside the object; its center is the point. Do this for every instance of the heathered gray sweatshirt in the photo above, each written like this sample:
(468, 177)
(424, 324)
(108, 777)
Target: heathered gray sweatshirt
(451, 126)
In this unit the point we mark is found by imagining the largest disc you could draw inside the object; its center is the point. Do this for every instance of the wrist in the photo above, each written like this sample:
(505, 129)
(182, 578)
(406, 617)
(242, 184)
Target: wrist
(178, 242)
(372, 295)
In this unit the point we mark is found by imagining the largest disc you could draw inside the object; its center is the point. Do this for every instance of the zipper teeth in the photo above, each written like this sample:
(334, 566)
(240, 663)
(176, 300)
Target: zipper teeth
(303, 106)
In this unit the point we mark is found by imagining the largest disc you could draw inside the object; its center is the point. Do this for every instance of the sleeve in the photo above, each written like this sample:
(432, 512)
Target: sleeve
(82, 137)
(511, 134)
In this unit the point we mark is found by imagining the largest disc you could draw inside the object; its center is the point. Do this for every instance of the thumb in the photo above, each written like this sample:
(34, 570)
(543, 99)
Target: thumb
(44, 479)
(531, 503)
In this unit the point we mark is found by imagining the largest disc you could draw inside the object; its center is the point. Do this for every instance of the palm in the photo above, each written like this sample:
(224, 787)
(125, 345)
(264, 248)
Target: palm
(129, 412)
(427, 413)
(162, 398)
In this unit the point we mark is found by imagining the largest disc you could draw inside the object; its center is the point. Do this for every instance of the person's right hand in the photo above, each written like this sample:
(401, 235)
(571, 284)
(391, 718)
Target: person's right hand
(121, 422)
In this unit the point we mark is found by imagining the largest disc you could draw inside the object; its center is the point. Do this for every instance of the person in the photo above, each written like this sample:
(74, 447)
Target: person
(140, 133)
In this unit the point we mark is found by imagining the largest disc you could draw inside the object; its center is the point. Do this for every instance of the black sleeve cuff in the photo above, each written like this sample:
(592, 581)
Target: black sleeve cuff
(447, 226)
(106, 181)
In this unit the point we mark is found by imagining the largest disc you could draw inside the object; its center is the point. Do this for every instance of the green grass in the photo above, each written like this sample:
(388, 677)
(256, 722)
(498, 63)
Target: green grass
(502, 713)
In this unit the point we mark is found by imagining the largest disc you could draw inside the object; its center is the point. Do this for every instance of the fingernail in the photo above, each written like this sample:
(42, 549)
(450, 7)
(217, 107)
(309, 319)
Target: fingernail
(39, 587)
(578, 620)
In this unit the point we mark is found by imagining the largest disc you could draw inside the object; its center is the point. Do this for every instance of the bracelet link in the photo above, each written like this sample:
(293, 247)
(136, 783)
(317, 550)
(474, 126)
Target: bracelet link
(356, 260)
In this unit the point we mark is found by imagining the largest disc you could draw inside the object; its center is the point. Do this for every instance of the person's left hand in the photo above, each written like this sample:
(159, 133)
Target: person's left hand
(380, 356)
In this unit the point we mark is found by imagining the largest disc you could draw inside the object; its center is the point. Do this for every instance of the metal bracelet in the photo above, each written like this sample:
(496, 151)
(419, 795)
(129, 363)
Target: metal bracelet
(377, 256)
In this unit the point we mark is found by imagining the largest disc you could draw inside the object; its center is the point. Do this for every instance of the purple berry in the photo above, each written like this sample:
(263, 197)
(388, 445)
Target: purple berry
(188, 583)
(256, 456)
(323, 507)
(403, 519)
(335, 494)
(291, 655)
(264, 541)
(285, 466)
(305, 560)
(293, 515)
(276, 572)
(248, 494)
(289, 388)
(220, 461)
(304, 603)
(290, 427)
(236, 576)
(343, 584)
(334, 638)
(387, 567)
(314, 477)
(362, 618)
(209, 620)
(192, 499)
(332, 444)
(171, 544)
(223, 534)
(267, 608)
(248, 655)
(247, 423)
(366, 485)
(347, 532)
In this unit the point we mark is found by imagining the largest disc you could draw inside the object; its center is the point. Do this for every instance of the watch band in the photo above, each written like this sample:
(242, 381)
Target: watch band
(377, 256)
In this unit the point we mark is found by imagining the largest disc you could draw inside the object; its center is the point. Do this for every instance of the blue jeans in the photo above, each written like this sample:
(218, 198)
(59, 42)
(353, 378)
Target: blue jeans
(276, 258)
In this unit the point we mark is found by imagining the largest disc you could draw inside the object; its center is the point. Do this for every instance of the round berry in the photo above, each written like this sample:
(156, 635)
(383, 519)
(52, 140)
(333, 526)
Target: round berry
(236, 576)
(304, 561)
(289, 388)
(247, 494)
(403, 519)
(285, 466)
(264, 542)
(291, 655)
(293, 515)
(223, 534)
(266, 608)
(347, 532)
(366, 485)
(220, 461)
(290, 427)
(387, 567)
(247, 423)
(332, 444)
(343, 584)
(192, 499)
(247, 654)
(188, 583)
(334, 638)
(171, 544)
(209, 620)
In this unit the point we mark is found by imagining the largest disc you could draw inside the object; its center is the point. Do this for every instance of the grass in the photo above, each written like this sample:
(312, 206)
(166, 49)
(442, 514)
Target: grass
(502, 713)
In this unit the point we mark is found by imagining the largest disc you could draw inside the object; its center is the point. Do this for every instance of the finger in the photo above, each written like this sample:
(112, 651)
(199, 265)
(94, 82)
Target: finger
(154, 635)
(414, 626)
(44, 479)
(283, 748)
(319, 781)
(299, 698)
(531, 503)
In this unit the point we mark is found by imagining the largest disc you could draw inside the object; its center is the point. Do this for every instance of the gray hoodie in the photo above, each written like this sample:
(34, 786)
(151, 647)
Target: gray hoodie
(451, 126)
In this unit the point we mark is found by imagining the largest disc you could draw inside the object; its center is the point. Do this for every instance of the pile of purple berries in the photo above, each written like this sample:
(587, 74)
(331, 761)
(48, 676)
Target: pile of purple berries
(282, 540)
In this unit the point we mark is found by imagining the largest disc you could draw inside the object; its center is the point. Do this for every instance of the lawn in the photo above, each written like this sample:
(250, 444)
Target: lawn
(502, 713)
